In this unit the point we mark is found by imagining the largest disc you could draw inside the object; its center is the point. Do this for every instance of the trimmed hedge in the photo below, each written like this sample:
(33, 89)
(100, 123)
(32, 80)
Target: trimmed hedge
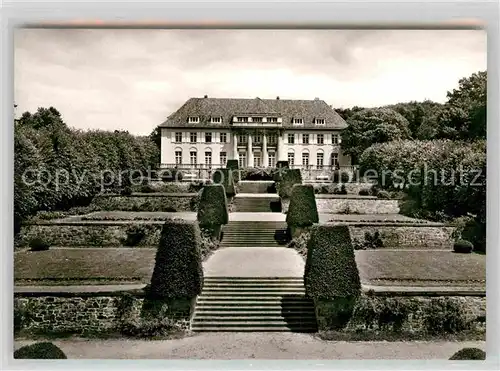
(302, 211)
(44, 350)
(178, 271)
(474, 354)
(232, 165)
(331, 271)
(286, 179)
(212, 209)
(463, 247)
(282, 165)
(227, 178)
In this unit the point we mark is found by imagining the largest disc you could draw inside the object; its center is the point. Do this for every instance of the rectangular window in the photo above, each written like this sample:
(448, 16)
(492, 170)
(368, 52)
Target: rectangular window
(335, 139)
(335, 159)
(242, 158)
(272, 119)
(194, 120)
(242, 138)
(257, 119)
(257, 138)
(242, 119)
(178, 157)
(291, 138)
(298, 121)
(223, 159)
(305, 138)
(272, 160)
(193, 137)
(208, 137)
(193, 158)
(256, 160)
(321, 139)
(319, 160)
(208, 158)
(223, 137)
(320, 121)
(271, 139)
(305, 159)
(178, 137)
(291, 158)
(216, 120)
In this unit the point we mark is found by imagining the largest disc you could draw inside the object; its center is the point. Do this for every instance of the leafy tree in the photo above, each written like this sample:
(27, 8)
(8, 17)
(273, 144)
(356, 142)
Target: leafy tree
(372, 125)
(346, 113)
(155, 136)
(415, 112)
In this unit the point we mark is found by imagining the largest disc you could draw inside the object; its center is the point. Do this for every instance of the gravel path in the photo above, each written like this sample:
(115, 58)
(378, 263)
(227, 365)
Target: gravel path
(255, 262)
(256, 346)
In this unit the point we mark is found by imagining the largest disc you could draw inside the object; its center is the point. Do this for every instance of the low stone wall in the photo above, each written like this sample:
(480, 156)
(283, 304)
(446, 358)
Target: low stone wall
(406, 236)
(93, 312)
(328, 188)
(356, 205)
(406, 314)
(93, 234)
(148, 202)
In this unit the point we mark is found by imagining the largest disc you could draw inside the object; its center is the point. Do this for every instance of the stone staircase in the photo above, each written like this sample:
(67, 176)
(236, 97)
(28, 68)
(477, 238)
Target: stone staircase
(261, 234)
(256, 203)
(254, 304)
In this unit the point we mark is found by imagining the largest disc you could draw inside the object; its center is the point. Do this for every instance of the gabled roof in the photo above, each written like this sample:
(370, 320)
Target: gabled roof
(206, 108)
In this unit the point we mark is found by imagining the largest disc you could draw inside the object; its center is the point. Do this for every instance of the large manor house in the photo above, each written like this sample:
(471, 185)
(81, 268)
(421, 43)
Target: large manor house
(206, 132)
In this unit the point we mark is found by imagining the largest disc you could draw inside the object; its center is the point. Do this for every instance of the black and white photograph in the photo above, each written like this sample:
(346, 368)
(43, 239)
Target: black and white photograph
(249, 194)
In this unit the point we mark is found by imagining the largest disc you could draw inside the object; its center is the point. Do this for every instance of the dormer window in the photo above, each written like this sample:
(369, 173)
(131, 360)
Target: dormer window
(297, 121)
(319, 121)
(216, 120)
(257, 119)
(242, 119)
(272, 119)
(193, 119)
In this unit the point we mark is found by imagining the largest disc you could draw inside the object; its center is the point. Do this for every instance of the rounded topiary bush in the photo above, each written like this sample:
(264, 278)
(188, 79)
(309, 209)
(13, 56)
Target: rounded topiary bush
(469, 354)
(463, 247)
(384, 195)
(43, 350)
(178, 271)
(339, 176)
(302, 211)
(226, 178)
(287, 179)
(212, 208)
(38, 244)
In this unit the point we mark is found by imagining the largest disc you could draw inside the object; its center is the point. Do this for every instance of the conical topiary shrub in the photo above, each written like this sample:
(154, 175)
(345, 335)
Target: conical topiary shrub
(178, 271)
(286, 179)
(302, 211)
(212, 209)
(226, 178)
(331, 276)
(469, 354)
(44, 350)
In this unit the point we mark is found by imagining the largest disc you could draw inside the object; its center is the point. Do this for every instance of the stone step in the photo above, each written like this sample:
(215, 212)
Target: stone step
(249, 322)
(252, 285)
(304, 329)
(203, 319)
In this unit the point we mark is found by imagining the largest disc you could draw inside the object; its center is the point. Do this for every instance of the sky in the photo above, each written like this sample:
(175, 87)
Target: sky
(123, 79)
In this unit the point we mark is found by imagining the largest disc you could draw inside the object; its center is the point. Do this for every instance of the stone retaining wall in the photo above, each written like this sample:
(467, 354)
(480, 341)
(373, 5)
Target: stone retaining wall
(407, 314)
(406, 237)
(92, 312)
(356, 206)
(169, 202)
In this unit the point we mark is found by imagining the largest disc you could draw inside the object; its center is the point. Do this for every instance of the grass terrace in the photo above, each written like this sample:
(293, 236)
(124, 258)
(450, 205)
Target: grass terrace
(437, 268)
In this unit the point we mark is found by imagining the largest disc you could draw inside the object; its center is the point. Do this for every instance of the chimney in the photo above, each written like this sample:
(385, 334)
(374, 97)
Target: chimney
(278, 98)
(316, 98)
(206, 96)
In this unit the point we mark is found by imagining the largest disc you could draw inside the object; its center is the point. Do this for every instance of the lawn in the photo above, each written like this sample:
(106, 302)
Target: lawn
(421, 268)
(84, 266)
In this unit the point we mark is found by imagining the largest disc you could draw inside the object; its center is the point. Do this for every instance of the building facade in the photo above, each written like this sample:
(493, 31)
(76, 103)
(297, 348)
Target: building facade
(206, 132)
